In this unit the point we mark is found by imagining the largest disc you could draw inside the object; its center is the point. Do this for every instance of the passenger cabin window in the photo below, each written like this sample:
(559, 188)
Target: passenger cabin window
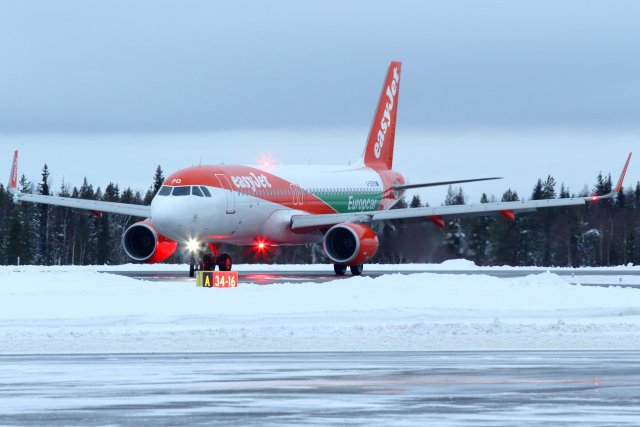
(181, 191)
(164, 191)
(196, 191)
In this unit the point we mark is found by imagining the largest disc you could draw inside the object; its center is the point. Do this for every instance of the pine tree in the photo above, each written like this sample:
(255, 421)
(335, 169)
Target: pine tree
(158, 180)
(7, 208)
(86, 191)
(538, 191)
(510, 196)
(455, 241)
(479, 243)
(28, 234)
(104, 241)
(549, 188)
(454, 197)
(44, 246)
(547, 218)
(26, 241)
(14, 240)
(564, 229)
(85, 235)
(631, 249)
(504, 237)
(63, 223)
(105, 250)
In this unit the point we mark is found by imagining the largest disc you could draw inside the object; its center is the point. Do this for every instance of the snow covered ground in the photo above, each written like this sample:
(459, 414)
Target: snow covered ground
(79, 310)
(457, 265)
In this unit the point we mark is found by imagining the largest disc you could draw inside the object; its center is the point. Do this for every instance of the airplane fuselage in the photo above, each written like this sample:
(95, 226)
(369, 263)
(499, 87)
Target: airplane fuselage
(237, 204)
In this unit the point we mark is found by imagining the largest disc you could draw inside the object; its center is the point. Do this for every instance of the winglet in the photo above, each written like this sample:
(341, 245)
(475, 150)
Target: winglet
(13, 178)
(619, 185)
(623, 174)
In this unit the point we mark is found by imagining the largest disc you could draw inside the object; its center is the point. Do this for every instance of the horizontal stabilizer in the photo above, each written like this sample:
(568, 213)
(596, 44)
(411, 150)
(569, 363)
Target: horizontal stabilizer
(439, 184)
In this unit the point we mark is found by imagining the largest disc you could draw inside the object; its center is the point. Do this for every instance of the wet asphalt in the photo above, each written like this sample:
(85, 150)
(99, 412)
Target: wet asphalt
(586, 388)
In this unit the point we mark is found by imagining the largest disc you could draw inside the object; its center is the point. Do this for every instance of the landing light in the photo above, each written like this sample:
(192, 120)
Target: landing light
(193, 245)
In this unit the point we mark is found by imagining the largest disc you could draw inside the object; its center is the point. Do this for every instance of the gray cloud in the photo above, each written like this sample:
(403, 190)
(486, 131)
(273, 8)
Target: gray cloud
(185, 66)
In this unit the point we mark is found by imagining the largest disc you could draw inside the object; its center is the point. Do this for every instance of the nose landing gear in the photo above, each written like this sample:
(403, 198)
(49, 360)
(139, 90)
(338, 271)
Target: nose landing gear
(210, 261)
(224, 262)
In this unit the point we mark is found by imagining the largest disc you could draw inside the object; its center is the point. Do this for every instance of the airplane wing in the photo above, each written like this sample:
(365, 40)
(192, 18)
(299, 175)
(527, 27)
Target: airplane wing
(69, 202)
(306, 223)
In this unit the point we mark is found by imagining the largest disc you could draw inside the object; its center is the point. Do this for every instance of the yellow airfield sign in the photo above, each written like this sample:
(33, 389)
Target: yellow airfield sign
(217, 279)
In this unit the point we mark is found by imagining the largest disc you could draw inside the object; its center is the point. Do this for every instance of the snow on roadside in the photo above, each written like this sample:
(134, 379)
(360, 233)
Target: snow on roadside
(451, 265)
(84, 311)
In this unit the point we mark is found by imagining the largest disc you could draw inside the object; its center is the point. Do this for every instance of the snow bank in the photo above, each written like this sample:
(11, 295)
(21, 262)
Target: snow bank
(450, 265)
(83, 310)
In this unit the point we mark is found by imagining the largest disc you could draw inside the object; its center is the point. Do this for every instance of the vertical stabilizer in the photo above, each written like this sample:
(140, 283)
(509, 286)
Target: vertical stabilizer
(378, 153)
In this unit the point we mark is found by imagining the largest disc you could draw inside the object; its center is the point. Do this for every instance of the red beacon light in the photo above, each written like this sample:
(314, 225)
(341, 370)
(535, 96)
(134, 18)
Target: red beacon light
(261, 245)
(266, 162)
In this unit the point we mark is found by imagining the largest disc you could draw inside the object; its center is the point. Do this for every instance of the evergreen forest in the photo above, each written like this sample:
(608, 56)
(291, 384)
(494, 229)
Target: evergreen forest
(599, 234)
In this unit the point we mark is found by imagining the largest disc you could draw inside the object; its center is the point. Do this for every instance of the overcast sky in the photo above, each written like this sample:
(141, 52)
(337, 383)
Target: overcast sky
(109, 89)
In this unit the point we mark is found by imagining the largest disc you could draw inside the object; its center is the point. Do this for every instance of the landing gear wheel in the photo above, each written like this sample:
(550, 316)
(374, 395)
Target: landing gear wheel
(356, 270)
(208, 263)
(192, 270)
(224, 262)
(339, 269)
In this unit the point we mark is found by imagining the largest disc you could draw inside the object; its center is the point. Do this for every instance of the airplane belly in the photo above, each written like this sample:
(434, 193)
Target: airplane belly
(277, 229)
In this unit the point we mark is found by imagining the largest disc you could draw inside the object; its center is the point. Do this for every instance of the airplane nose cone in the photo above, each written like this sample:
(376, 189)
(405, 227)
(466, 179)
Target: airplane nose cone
(182, 218)
(174, 218)
(162, 217)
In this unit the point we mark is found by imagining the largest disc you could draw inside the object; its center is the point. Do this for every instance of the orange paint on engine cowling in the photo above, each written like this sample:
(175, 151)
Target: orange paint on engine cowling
(165, 247)
(365, 248)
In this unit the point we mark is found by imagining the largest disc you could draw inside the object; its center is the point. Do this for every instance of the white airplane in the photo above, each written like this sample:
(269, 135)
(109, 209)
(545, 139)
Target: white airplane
(244, 205)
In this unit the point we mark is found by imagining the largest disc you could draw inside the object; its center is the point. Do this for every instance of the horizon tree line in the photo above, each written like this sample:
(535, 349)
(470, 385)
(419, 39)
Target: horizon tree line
(600, 234)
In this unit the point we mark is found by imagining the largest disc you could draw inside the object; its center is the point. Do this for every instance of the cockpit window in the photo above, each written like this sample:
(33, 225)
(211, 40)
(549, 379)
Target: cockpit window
(206, 191)
(196, 191)
(181, 191)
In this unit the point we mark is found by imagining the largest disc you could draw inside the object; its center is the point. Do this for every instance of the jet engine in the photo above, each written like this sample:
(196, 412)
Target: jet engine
(350, 244)
(144, 244)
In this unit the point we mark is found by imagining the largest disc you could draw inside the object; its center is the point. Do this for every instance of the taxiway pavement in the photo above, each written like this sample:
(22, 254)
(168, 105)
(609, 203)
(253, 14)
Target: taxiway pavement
(524, 388)
(261, 277)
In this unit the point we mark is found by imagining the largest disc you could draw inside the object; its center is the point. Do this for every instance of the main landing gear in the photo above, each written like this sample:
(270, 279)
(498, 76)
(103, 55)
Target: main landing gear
(341, 270)
(210, 261)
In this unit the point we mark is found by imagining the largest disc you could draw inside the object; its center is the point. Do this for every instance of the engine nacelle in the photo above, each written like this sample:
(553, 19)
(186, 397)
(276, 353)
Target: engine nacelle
(144, 244)
(350, 244)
